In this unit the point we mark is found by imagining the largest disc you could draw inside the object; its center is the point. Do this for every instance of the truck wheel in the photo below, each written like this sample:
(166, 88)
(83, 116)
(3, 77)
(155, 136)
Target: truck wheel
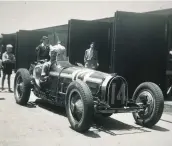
(79, 106)
(155, 104)
(22, 86)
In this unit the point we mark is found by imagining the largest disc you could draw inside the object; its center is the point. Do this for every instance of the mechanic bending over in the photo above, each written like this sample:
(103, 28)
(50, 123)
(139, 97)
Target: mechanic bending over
(91, 57)
(43, 49)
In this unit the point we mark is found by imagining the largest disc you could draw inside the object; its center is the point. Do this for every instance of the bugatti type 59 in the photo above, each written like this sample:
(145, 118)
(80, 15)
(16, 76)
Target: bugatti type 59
(85, 92)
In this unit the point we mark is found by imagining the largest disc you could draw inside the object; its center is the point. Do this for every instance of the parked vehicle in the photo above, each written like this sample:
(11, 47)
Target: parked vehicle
(85, 92)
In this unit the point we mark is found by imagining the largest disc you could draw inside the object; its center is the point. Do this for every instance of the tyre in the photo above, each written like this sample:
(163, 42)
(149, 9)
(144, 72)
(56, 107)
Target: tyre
(22, 86)
(79, 106)
(155, 104)
(106, 114)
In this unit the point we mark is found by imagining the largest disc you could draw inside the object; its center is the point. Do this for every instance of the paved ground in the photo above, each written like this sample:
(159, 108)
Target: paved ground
(44, 125)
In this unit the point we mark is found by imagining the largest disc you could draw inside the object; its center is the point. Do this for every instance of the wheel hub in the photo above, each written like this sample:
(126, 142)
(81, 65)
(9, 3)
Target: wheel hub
(147, 99)
(19, 87)
(79, 106)
(76, 106)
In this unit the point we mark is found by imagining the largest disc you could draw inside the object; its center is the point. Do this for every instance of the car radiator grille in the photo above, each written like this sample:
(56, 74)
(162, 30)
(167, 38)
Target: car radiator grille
(116, 95)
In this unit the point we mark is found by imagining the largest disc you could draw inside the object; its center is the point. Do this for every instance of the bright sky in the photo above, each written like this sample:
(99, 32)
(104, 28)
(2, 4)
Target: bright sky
(34, 15)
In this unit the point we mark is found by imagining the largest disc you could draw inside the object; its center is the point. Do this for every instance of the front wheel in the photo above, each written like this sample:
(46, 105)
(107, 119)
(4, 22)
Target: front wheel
(154, 104)
(22, 86)
(79, 106)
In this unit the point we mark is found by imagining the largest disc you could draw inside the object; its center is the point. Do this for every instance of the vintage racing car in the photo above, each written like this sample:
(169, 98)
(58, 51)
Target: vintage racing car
(85, 92)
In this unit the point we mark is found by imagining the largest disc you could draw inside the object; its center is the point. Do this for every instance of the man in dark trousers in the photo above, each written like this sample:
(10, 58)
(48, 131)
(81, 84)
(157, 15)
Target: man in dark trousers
(43, 49)
(8, 59)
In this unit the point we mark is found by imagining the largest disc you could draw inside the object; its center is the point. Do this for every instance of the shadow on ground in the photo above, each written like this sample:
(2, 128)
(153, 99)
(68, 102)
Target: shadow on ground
(158, 128)
(110, 125)
(100, 124)
(166, 121)
(52, 108)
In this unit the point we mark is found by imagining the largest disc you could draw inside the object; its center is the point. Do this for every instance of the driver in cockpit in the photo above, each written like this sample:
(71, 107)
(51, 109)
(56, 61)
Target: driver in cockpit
(46, 66)
(57, 53)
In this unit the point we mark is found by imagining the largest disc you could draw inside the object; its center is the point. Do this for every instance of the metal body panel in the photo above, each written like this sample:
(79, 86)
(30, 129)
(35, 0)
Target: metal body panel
(62, 73)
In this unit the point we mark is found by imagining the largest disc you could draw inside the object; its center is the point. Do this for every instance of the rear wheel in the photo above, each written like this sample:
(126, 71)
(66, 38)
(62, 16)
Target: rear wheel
(154, 104)
(79, 106)
(22, 86)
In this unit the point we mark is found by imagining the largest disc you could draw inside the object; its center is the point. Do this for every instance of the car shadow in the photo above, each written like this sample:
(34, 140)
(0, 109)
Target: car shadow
(50, 107)
(158, 128)
(100, 123)
(110, 125)
(166, 121)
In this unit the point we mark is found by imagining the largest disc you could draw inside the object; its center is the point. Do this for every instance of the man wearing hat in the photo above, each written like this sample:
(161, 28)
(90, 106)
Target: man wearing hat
(91, 57)
(43, 49)
(8, 59)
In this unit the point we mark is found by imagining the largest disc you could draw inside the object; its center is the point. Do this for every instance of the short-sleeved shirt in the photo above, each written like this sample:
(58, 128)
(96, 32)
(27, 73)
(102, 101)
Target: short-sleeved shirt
(61, 52)
(7, 66)
(8, 56)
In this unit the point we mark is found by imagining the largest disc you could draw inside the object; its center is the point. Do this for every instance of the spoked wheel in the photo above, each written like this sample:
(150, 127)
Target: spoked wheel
(149, 105)
(79, 106)
(22, 86)
(150, 95)
(76, 105)
(19, 87)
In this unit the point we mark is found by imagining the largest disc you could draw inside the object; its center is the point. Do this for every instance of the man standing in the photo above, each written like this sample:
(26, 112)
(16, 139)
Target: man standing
(1, 48)
(91, 57)
(43, 49)
(8, 59)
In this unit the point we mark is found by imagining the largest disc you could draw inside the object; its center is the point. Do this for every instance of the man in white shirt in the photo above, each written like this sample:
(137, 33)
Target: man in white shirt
(61, 51)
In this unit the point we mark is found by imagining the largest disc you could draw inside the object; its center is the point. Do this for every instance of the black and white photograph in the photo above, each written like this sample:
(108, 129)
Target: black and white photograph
(86, 73)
